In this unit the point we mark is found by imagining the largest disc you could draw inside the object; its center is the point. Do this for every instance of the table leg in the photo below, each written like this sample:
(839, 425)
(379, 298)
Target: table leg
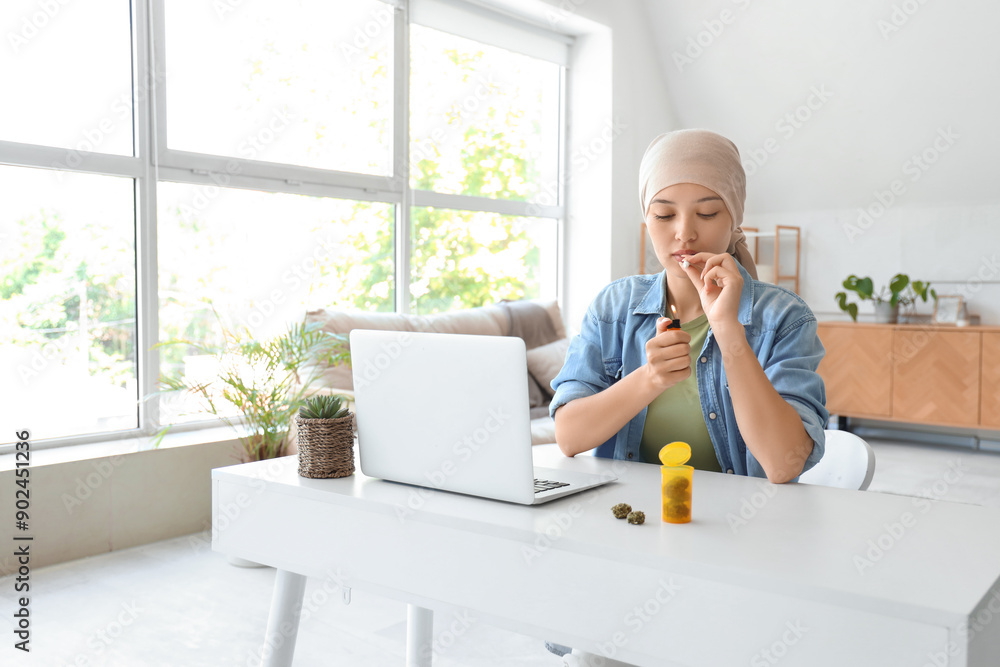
(283, 619)
(419, 633)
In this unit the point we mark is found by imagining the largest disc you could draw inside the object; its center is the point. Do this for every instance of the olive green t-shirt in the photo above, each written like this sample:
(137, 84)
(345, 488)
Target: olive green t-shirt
(676, 413)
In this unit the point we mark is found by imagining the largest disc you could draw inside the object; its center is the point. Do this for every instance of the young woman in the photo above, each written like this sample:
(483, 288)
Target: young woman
(737, 380)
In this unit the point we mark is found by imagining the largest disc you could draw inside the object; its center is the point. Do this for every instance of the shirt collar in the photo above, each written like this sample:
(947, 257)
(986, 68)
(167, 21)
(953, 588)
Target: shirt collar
(653, 302)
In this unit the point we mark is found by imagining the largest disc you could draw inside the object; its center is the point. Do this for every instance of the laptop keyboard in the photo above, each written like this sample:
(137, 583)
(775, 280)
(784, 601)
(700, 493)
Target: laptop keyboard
(547, 485)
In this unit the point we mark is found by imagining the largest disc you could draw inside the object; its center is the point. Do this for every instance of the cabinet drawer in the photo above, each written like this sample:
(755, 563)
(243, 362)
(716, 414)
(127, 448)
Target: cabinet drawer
(989, 414)
(857, 370)
(936, 376)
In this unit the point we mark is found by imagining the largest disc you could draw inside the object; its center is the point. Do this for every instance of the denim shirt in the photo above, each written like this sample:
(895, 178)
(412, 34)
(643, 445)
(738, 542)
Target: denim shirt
(780, 329)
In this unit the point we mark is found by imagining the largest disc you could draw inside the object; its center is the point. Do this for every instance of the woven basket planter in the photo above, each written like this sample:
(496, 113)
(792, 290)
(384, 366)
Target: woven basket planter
(326, 447)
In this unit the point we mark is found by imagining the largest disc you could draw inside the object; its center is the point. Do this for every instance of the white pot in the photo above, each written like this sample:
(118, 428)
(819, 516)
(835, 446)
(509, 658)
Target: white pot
(886, 313)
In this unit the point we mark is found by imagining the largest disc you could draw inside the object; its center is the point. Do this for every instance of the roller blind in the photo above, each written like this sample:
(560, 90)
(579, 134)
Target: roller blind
(491, 27)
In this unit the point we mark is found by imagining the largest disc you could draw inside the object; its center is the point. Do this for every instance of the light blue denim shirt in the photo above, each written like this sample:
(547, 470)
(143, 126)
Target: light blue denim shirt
(781, 331)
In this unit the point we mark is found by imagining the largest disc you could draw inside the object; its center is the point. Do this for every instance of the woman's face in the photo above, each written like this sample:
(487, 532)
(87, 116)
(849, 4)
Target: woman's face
(684, 219)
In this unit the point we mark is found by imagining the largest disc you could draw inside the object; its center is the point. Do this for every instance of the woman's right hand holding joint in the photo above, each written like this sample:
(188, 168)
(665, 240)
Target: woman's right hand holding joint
(668, 356)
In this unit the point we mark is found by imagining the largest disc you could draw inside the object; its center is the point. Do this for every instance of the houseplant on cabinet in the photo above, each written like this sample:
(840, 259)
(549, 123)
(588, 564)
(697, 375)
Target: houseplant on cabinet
(901, 291)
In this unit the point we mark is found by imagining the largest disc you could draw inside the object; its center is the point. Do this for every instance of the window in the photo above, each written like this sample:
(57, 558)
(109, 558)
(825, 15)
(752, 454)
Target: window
(246, 161)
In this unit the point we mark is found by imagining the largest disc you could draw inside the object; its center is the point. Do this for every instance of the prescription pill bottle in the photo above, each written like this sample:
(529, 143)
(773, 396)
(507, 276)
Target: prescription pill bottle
(676, 482)
(676, 491)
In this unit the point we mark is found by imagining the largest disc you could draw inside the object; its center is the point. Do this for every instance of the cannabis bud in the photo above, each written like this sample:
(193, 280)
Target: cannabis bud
(637, 518)
(621, 510)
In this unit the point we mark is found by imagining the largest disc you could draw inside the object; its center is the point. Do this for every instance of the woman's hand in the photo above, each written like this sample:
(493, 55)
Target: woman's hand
(719, 285)
(668, 356)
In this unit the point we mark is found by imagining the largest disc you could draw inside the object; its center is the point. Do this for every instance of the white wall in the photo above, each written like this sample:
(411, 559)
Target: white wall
(616, 88)
(904, 93)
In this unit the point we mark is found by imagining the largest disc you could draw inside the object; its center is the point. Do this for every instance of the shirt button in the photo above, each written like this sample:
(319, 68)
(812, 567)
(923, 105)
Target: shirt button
(704, 360)
(729, 472)
(629, 455)
(711, 415)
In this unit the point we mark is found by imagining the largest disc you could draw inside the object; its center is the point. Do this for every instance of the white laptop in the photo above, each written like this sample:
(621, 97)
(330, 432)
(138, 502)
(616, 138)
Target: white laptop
(450, 412)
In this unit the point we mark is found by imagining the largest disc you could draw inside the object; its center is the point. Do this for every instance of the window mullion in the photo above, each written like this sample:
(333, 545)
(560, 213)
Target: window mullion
(487, 204)
(146, 35)
(401, 154)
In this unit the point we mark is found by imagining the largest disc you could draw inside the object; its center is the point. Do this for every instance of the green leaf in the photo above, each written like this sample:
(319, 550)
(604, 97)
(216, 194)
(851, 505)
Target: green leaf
(898, 284)
(865, 288)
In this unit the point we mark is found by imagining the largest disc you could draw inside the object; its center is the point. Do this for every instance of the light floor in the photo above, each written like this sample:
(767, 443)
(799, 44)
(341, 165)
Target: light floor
(176, 603)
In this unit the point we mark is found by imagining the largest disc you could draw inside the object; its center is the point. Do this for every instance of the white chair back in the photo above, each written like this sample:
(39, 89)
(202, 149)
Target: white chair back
(847, 463)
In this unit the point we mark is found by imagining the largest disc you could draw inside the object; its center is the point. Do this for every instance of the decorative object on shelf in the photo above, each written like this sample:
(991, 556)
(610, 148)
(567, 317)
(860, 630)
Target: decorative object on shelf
(325, 437)
(900, 292)
(259, 385)
(963, 315)
(779, 271)
(949, 309)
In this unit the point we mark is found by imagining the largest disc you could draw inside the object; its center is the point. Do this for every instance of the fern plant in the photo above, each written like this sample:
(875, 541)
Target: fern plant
(260, 384)
(324, 407)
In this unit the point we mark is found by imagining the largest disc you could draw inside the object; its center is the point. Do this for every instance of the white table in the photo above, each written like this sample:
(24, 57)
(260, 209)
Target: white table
(764, 574)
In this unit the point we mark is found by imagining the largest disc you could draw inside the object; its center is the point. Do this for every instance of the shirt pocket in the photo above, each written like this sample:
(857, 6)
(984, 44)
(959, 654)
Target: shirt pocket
(613, 369)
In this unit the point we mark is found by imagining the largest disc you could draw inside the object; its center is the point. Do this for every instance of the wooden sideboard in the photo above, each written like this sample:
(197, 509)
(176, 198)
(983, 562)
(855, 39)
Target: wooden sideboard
(940, 375)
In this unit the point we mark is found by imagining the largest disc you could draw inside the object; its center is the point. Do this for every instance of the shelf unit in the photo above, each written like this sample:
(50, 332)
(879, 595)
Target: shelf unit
(782, 236)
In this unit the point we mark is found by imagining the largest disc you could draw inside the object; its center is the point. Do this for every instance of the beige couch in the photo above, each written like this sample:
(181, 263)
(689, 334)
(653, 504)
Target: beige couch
(539, 323)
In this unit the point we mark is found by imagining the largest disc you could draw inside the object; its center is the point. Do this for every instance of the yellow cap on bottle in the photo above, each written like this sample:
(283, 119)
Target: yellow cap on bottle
(675, 454)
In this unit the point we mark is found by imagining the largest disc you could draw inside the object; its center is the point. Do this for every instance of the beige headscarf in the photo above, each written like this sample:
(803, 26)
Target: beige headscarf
(703, 158)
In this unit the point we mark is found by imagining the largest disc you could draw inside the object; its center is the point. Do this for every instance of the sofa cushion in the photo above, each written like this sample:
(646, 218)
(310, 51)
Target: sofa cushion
(492, 320)
(545, 362)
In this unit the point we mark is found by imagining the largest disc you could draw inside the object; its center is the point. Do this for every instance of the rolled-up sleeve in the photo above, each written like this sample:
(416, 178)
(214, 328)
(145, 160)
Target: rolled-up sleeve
(791, 369)
(584, 371)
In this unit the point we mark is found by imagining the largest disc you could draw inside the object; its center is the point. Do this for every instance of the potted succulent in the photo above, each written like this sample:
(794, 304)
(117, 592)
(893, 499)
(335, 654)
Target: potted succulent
(258, 386)
(325, 430)
(901, 291)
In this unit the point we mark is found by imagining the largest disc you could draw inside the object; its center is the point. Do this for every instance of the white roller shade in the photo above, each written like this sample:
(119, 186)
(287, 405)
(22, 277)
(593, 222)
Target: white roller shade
(490, 27)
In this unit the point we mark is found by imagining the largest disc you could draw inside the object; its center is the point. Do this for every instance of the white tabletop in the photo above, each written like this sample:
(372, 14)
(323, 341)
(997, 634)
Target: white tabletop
(929, 561)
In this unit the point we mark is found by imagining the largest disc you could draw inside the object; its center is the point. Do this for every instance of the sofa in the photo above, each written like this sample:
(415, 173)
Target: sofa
(537, 322)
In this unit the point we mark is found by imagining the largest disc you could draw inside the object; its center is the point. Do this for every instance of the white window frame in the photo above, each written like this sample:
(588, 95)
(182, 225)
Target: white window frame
(154, 162)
